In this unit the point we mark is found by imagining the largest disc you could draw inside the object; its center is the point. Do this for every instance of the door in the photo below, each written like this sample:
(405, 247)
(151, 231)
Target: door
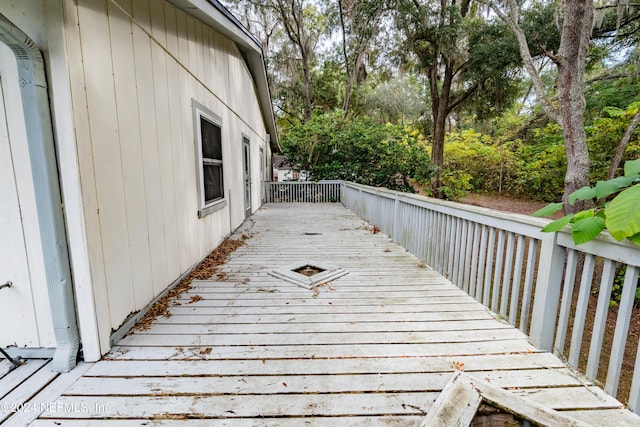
(263, 177)
(25, 318)
(246, 161)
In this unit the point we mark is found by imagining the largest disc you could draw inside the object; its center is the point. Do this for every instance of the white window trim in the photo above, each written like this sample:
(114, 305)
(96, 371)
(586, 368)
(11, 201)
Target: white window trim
(199, 111)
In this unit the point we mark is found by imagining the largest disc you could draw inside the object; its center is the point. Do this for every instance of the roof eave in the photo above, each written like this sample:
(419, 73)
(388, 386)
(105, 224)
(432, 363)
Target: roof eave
(218, 17)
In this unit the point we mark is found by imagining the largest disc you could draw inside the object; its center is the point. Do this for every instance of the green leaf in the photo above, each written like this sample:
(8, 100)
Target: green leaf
(550, 209)
(589, 213)
(584, 193)
(631, 167)
(625, 181)
(558, 224)
(586, 229)
(623, 214)
(606, 188)
(635, 239)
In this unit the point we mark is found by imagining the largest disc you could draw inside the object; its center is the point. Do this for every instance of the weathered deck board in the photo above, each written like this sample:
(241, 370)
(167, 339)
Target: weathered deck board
(353, 421)
(44, 396)
(321, 338)
(17, 376)
(289, 327)
(291, 383)
(239, 406)
(5, 367)
(319, 351)
(25, 391)
(372, 348)
(491, 363)
(360, 318)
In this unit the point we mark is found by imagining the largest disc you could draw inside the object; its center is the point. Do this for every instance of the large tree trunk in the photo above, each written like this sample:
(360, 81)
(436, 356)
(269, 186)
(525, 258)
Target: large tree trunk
(308, 97)
(292, 16)
(440, 91)
(437, 149)
(576, 33)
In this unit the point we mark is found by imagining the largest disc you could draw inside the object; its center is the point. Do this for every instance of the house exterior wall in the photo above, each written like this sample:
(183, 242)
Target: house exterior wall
(123, 76)
(143, 63)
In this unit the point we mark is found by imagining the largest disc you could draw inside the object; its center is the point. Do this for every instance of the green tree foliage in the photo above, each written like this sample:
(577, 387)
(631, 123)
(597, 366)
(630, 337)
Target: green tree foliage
(484, 164)
(604, 135)
(399, 100)
(448, 42)
(453, 71)
(358, 150)
(360, 24)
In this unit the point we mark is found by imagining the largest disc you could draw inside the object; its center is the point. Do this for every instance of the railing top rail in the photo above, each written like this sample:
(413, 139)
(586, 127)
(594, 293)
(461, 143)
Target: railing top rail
(522, 224)
(604, 246)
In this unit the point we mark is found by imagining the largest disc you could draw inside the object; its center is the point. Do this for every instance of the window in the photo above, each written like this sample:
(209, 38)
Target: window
(210, 160)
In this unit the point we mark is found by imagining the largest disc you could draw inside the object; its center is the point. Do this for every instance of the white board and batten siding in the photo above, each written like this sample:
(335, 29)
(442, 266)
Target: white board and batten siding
(135, 69)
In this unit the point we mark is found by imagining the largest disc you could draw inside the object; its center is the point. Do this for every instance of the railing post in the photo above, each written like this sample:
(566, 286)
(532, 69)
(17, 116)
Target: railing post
(547, 294)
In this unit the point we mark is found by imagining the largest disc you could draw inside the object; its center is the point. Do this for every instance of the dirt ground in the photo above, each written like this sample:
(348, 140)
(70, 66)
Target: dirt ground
(503, 203)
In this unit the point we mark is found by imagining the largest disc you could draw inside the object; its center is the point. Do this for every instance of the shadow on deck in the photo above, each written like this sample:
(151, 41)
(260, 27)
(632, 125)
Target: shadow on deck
(374, 347)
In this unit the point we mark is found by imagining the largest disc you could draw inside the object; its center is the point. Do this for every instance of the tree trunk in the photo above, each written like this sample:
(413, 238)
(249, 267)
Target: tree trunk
(440, 99)
(292, 17)
(306, 72)
(617, 158)
(576, 33)
(437, 148)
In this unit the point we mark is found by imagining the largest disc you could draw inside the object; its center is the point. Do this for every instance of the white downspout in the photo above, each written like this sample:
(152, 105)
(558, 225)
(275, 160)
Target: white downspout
(35, 100)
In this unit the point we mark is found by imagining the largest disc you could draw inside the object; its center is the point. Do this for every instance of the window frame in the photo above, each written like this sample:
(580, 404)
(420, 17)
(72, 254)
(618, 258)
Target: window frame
(200, 112)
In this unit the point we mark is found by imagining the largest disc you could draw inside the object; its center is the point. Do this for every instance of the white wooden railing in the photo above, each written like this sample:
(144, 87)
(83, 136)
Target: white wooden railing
(523, 275)
(303, 191)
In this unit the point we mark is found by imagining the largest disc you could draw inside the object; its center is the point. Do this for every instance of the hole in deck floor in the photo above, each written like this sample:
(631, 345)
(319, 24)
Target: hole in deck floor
(308, 270)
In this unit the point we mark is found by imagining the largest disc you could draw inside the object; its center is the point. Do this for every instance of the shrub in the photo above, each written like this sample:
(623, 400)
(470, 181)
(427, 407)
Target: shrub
(358, 150)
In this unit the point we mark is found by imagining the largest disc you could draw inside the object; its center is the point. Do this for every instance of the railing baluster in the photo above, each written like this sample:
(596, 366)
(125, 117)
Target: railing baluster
(600, 322)
(416, 236)
(440, 246)
(430, 237)
(430, 233)
(567, 299)
(634, 396)
(528, 285)
(497, 275)
(481, 263)
(456, 251)
(467, 256)
(517, 280)
(506, 281)
(581, 309)
(462, 254)
(434, 246)
(489, 267)
(622, 329)
(412, 232)
(447, 253)
(473, 281)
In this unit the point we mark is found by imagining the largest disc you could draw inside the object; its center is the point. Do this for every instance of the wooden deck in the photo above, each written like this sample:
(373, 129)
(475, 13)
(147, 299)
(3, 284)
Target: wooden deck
(374, 347)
